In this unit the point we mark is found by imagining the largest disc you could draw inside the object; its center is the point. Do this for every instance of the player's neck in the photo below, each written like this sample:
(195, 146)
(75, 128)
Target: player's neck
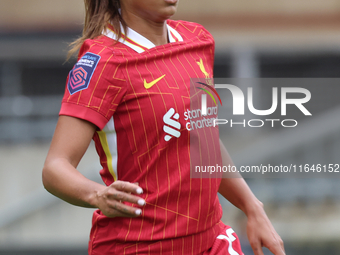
(156, 32)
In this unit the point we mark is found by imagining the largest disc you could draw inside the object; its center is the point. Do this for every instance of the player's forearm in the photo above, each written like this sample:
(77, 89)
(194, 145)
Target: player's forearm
(61, 179)
(236, 190)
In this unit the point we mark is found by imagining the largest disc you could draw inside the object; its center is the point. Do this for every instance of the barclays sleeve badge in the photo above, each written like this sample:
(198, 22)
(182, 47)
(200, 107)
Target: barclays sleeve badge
(80, 76)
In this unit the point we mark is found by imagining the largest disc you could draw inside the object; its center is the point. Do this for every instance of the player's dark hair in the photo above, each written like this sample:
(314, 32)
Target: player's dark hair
(98, 13)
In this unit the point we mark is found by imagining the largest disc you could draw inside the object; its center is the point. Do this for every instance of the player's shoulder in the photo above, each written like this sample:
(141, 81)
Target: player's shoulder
(189, 29)
(96, 58)
(100, 46)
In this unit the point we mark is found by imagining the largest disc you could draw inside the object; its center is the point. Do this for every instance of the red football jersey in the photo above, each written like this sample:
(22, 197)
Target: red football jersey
(138, 95)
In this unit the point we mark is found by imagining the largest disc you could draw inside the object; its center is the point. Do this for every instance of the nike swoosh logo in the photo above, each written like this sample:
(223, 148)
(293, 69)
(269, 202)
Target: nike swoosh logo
(150, 84)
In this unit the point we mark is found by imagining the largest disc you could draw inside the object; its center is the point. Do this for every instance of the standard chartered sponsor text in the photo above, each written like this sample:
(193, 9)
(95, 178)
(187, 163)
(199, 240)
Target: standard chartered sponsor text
(195, 119)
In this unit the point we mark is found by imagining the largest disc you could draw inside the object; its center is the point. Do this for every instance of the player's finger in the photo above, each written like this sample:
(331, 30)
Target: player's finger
(277, 249)
(256, 246)
(122, 215)
(127, 187)
(136, 183)
(124, 210)
(282, 246)
(125, 197)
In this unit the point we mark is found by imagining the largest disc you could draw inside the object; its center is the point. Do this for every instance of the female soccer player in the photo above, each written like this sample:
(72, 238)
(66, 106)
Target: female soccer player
(130, 92)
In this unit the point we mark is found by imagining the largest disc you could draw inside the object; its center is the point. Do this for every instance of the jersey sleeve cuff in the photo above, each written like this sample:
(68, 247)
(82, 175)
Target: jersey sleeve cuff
(84, 113)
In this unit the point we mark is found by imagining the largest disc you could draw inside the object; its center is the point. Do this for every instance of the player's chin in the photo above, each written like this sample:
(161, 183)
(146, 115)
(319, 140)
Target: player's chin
(168, 11)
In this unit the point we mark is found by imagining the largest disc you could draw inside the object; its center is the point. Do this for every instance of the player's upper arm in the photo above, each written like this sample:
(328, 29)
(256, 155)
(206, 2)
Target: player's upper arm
(71, 139)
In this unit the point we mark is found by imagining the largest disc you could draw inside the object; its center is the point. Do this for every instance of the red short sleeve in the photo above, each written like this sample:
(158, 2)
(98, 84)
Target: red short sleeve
(94, 87)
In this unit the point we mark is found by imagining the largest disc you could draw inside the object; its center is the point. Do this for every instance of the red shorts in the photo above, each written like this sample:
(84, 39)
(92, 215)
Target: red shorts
(223, 242)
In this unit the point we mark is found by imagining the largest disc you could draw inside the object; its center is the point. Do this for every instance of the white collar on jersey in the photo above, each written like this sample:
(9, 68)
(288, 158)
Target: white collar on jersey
(138, 42)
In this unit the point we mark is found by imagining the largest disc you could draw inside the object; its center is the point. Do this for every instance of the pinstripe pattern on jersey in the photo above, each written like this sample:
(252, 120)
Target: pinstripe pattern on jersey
(146, 154)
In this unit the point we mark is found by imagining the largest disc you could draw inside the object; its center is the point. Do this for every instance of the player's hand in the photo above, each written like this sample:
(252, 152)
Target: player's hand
(261, 233)
(111, 200)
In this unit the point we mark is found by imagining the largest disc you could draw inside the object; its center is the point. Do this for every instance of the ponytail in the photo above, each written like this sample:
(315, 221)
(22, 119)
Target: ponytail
(98, 13)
